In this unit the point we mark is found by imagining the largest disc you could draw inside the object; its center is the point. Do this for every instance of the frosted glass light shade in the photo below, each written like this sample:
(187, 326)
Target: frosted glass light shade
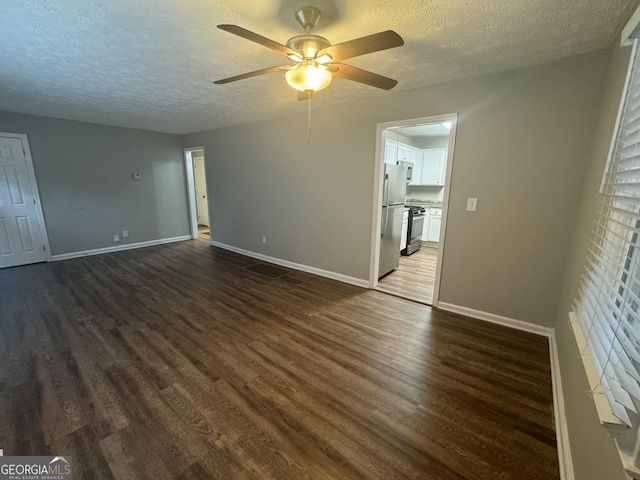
(308, 77)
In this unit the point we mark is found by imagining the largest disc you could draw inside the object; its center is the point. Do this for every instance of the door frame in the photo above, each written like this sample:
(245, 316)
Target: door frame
(381, 128)
(24, 138)
(191, 189)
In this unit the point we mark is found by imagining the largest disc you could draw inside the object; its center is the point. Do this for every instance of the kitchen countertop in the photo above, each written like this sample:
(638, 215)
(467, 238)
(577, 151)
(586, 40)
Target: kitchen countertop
(423, 203)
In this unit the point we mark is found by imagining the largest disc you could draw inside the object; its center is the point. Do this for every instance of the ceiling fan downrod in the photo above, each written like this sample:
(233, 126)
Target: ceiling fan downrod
(307, 17)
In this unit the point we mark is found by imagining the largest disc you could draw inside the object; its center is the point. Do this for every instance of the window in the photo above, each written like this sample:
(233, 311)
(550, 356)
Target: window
(607, 315)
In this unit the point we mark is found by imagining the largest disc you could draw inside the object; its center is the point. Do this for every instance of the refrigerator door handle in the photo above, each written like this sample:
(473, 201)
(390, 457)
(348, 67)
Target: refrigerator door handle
(386, 195)
(386, 219)
(386, 190)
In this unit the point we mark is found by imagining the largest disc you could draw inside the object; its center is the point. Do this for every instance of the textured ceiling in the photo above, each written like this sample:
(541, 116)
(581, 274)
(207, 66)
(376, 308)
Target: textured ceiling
(150, 63)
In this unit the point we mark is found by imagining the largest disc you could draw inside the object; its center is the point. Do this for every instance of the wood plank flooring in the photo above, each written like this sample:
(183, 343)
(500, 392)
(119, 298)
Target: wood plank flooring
(415, 278)
(174, 362)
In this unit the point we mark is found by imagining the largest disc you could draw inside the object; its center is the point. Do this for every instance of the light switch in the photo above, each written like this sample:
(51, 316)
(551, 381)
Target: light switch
(472, 204)
(137, 176)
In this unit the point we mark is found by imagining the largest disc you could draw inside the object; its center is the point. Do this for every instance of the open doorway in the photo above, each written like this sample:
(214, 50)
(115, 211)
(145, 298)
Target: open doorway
(411, 214)
(197, 189)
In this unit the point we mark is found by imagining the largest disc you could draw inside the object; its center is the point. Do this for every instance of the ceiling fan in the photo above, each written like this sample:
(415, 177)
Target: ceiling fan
(314, 60)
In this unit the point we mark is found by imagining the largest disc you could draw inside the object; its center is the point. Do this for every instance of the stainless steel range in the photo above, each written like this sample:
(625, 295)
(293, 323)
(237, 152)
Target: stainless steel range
(417, 217)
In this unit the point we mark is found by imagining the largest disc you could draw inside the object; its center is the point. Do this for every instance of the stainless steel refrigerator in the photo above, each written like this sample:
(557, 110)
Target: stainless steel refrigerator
(394, 191)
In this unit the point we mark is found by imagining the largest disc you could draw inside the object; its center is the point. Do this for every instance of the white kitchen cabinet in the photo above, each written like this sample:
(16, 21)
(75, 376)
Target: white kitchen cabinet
(403, 153)
(405, 228)
(425, 226)
(415, 157)
(428, 166)
(390, 152)
(433, 224)
(434, 161)
(416, 175)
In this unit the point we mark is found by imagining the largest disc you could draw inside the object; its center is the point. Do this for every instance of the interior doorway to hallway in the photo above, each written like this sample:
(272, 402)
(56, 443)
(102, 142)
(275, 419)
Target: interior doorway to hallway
(412, 221)
(195, 169)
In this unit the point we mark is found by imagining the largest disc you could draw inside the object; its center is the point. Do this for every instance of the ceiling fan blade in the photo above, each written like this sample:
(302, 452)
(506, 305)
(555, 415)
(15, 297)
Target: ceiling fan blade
(255, 73)
(363, 45)
(363, 76)
(254, 37)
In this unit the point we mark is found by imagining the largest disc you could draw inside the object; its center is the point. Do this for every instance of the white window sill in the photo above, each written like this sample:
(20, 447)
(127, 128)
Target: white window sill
(613, 425)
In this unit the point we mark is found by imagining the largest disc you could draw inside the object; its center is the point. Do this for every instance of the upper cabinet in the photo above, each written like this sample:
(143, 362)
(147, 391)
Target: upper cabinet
(434, 161)
(429, 165)
(390, 152)
(416, 159)
(403, 152)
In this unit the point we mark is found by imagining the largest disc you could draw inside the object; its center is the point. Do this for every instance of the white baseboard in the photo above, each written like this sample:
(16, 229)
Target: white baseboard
(296, 266)
(562, 429)
(118, 248)
(498, 319)
(559, 413)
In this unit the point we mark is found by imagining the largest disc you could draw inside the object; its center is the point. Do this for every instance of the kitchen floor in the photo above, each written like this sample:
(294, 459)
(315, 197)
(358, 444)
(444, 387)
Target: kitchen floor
(414, 279)
(203, 230)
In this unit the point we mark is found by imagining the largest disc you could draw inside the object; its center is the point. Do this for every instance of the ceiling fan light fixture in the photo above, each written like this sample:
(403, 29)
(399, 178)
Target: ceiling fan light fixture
(294, 57)
(313, 60)
(308, 77)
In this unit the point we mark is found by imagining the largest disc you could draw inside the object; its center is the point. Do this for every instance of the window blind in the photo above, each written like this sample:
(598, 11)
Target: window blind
(608, 309)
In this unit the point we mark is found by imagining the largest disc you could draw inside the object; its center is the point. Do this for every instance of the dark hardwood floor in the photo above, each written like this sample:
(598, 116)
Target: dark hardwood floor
(415, 278)
(174, 362)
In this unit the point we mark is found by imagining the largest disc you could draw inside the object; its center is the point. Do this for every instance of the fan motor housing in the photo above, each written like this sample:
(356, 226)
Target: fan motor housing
(307, 43)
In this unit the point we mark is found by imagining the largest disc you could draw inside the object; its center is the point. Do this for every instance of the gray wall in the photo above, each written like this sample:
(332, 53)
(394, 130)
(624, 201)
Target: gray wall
(84, 173)
(523, 149)
(520, 142)
(594, 453)
(441, 141)
(391, 135)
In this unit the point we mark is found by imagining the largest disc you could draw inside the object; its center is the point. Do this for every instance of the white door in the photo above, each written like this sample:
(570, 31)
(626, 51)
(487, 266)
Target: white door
(22, 235)
(200, 180)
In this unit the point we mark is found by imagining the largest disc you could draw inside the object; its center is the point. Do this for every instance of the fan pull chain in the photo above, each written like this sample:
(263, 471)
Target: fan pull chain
(309, 96)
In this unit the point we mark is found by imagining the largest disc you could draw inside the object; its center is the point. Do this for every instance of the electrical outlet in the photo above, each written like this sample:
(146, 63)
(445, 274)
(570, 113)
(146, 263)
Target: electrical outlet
(116, 238)
(125, 233)
(472, 204)
(264, 240)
